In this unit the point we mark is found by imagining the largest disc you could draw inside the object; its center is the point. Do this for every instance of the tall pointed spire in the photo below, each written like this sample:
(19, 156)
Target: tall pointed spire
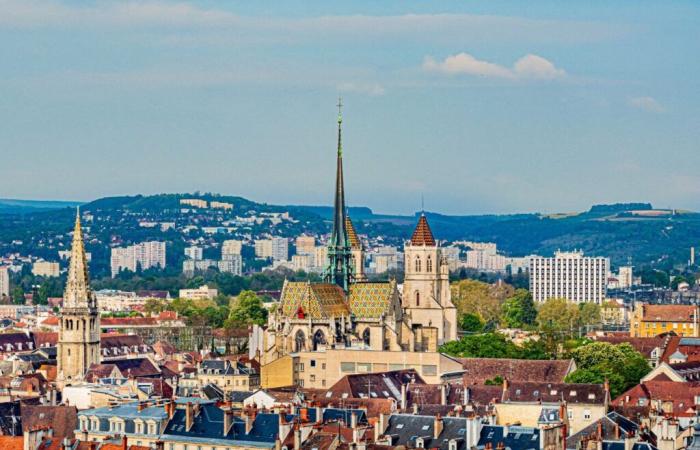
(77, 293)
(338, 270)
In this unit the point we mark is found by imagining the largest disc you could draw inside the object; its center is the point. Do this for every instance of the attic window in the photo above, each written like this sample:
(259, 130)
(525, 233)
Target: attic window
(328, 394)
(536, 393)
(399, 426)
(517, 392)
(572, 393)
(591, 396)
(345, 395)
(553, 392)
(426, 427)
(386, 394)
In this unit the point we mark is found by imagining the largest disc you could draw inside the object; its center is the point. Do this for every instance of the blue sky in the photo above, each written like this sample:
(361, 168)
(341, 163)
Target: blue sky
(480, 106)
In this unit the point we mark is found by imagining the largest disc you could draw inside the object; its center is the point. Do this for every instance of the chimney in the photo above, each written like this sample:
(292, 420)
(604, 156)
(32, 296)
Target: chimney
(297, 438)
(353, 420)
(629, 441)
(140, 406)
(443, 394)
(466, 396)
(506, 384)
(319, 414)
(160, 445)
(381, 422)
(125, 445)
(278, 443)
(403, 397)
(189, 416)
(415, 408)
(66, 444)
(437, 427)
(228, 416)
(248, 422)
(304, 414)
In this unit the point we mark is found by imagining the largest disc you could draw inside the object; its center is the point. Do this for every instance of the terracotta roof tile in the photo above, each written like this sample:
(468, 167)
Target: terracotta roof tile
(668, 313)
(12, 442)
(422, 234)
(478, 370)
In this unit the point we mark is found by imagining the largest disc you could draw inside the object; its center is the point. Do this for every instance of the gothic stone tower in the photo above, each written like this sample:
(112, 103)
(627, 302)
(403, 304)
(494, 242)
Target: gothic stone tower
(79, 334)
(426, 289)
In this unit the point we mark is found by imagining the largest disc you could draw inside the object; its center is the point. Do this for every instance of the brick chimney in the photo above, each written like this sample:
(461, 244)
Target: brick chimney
(125, 444)
(438, 425)
(443, 394)
(228, 421)
(189, 416)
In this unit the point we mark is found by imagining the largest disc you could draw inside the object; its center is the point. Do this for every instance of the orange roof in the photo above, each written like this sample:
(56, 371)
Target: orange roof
(668, 313)
(12, 442)
(50, 321)
(353, 239)
(422, 234)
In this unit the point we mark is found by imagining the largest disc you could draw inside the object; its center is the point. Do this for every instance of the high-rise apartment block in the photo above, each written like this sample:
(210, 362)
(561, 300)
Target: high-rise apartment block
(280, 249)
(231, 247)
(144, 255)
(263, 248)
(569, 275)
(4, 281)
(46, 269)
(305, 245)
(194, 252)
(231, 264)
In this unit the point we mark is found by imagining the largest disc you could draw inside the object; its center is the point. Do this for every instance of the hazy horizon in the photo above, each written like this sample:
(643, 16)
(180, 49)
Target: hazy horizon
(480, 107)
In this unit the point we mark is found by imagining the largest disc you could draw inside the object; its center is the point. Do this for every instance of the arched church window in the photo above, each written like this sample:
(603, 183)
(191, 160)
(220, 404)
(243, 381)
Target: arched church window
(366, 336)
(319, 339)
(429, 264)
(417, 298)
(299, 341)
(417, 265)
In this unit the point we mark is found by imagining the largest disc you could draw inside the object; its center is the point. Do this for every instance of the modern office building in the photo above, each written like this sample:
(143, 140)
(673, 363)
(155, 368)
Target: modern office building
(569, 275)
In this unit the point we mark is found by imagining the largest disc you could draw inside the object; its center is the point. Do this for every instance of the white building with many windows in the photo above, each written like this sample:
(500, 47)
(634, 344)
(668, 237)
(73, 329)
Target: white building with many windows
(569, 275)
(144, 255)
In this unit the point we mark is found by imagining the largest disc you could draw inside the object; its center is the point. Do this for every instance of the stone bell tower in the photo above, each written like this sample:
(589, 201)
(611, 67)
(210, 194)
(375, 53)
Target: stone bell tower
(79, 319)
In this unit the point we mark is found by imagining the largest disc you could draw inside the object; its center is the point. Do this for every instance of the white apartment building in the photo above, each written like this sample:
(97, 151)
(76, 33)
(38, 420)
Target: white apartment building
(302, 262)
(305, 245)
(195, 202)
(4, 281)
(231, 264)
(485, 260)
(201, 293)
(144, 255)
(221, 205)
(280, 249)
(46, 269)
(231, 247)
(569, 275)
(194, 252)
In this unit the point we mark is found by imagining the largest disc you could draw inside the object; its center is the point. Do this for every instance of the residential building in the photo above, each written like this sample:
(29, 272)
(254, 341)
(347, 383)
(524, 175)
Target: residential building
(141, 423)
(200, 293)
(194, 202)
(231, 247)
(320, 257)
(46, 269)
(305, 245)
(302, 262)
(79, 318)
(144, 256)
(227, 375)
(194, 252)
(652, 320)
(614, 313)
(280, 249)
(4, 281)
(232, 264)
(263, 248)
(221, 205)
(190, 266)
(569, 275)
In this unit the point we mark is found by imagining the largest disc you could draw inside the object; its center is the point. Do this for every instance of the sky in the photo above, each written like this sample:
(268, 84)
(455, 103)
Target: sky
(476, 106)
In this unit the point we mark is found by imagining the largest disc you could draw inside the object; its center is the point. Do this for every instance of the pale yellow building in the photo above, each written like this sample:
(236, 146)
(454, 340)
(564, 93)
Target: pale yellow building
(46, 269)
(652, 320)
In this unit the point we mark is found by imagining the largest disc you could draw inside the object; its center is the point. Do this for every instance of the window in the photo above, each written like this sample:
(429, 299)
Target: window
(301, 367)
(429, 264)
(587, 414)
(417, 265)
(347, 367)
(364, 367)
(570, 414)
(417, 298)
(429, 370)
(312, 363)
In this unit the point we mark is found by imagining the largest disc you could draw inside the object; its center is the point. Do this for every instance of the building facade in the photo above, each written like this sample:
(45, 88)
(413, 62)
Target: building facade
(652, 320)
(4, 281)
(79, 319)
(569, 275)
(46, 269)
(144, 256)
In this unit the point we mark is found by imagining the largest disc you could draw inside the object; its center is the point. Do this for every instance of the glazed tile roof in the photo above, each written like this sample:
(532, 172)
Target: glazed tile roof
(422, 234)
(316, 300)
(353, 239)
(371, 300)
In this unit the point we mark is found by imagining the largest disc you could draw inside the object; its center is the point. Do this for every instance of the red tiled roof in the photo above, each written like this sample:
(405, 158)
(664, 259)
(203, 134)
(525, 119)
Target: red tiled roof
(12, 442)
(422, 234)
(63, 419)
(478, 370)
(679, 395)
(128, 321)
(45, 338)
(668, 313)
(50, 321)
(644, 345)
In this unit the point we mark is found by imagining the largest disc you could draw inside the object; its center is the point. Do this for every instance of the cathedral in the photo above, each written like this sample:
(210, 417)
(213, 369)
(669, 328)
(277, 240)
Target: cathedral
(79, 332)
(346, 311)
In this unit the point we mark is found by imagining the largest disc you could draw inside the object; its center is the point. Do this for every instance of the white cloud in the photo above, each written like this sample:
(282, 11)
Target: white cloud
(533, 66)
(362, 88)
(528, 67)
(648, 104)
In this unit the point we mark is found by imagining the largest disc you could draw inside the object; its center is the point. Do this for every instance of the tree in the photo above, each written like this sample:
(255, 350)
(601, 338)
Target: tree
(620, 364)
(589, 313)
(486, 345)
(557, 319)
(247, 309)
(17, 295)
(482, 299)
(519, 310)
(471, 322)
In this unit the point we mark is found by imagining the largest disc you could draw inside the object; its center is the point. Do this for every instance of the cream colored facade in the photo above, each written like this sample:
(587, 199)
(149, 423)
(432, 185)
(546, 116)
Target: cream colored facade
(201, 293)
(46, 269)
(231, 247)
(579, 415)
(305, 245)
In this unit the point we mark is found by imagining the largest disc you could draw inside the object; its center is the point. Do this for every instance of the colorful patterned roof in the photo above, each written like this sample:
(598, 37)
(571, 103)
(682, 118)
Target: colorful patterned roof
(422, 234)
(316, 300)
(353, 239)
(371, 300)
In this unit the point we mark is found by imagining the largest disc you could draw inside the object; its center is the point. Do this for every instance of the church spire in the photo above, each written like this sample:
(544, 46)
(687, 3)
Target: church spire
(77, 293)
(338, 270)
